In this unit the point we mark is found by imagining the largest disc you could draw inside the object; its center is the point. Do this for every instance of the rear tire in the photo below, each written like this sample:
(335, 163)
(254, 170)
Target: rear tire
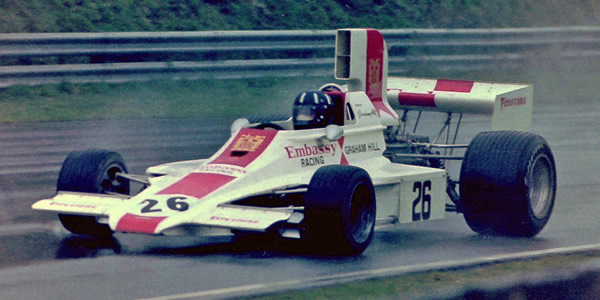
(339, 211)
(508, 183)
(91, 171)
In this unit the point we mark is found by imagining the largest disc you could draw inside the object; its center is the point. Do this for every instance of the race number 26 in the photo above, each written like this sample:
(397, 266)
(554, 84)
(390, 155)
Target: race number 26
(173, 203)
(422, 203)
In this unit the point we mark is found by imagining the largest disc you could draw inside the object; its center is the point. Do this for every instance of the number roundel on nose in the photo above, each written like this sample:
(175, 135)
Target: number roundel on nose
(173, 203)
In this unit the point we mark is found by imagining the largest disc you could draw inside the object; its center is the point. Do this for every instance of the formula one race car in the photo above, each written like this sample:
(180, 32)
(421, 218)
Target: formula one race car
(342, 164)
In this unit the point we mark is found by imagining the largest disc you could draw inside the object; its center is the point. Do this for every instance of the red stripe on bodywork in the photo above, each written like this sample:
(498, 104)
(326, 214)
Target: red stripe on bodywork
(246, 147)
(447, 85)
(134, 223)
(197, 185)
(374, 75)
(344, 160)
(416, 99)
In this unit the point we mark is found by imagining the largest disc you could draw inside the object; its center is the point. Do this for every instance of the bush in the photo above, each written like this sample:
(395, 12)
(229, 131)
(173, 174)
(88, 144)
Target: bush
(165, 15)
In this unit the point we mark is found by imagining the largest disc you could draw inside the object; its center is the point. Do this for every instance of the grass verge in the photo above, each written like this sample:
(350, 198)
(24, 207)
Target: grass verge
(244, 97)
(142, 100)
(445, 284)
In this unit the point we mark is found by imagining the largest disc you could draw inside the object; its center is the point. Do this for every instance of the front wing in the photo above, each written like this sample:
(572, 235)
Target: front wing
(223, 216)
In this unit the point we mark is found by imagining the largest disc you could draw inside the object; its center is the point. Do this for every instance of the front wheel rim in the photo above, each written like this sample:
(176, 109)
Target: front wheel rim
(111, 182)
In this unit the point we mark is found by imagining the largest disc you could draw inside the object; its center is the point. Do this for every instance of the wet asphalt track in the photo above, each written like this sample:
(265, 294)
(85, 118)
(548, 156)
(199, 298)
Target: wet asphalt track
(40, 261)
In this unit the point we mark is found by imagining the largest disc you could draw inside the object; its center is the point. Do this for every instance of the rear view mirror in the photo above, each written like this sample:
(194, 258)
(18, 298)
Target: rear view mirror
(239, 124)
(333, 132)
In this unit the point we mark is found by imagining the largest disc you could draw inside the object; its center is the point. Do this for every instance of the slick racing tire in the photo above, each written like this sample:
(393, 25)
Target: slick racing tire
(508, 183)
(339, 211)
(91, 171)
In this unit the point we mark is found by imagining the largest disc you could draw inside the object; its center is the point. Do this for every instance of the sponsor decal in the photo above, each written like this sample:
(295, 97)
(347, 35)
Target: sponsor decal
(246, 147)
(361, 148)
(312, 161)
(223, 169)
(518, 101)
(369, 114)
(72, 205)
(311, 155)
(307, 150)
(248, 142)
(233, 220)
(374, 72)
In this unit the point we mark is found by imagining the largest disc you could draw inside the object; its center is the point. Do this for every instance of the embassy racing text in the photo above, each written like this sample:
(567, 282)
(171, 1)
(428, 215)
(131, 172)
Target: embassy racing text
(306, 150)
(311, 155)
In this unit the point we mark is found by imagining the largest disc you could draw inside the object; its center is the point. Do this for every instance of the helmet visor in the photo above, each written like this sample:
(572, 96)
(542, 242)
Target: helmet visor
(304, 113)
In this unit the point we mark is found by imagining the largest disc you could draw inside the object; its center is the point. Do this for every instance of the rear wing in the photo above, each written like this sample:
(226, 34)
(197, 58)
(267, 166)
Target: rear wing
(509, 105)
(362, 61)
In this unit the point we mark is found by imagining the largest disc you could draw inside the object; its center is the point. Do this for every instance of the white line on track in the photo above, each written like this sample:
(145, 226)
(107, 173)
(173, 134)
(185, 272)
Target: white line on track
(24, 228)
(247, 290)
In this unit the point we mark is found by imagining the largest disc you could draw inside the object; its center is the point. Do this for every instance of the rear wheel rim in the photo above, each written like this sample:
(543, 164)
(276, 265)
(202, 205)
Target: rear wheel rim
(541, 187)
(361, 214)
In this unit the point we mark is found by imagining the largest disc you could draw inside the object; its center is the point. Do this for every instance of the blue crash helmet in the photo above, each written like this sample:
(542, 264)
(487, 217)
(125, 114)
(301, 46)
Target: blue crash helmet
(312, 109)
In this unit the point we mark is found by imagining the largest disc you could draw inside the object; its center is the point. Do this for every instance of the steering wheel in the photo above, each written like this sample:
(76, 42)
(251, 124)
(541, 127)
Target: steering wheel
(331, 87)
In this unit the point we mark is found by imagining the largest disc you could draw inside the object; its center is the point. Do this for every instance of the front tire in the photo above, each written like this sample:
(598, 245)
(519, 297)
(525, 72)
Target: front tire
(508, 183)
(339, 210)
(91, 171)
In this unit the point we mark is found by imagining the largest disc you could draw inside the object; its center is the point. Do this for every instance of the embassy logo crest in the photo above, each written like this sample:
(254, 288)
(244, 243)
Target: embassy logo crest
(248, 142)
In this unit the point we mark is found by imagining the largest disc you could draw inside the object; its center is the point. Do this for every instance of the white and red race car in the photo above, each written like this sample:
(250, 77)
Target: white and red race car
(341, 165)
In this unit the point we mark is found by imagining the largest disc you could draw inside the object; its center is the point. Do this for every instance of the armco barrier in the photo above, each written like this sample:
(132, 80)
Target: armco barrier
(81, 57)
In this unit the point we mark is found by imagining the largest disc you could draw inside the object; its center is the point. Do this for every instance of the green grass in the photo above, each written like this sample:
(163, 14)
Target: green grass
(440, 283)
(155, 99)
(245, 97)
